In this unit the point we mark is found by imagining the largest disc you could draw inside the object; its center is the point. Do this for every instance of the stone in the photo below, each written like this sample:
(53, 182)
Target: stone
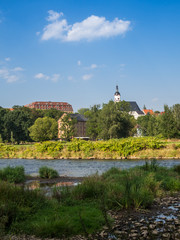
(166, 235)
(152, 226)
(144, 233)
(155, 232)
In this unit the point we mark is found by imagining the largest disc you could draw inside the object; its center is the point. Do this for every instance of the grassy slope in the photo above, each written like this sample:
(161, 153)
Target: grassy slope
(113, 149)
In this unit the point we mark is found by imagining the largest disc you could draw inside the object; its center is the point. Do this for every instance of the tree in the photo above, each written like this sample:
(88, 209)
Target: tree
(67, 127)
(149, 125)
(115, 120)
(83, 110)
(53, 113)
(44, 129)
(92, 124)
(3, 113)
(168, 123)
(17, 122)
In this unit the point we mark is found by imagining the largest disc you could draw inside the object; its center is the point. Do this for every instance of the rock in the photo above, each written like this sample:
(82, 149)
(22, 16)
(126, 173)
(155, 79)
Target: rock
(155, 232)
(144, 233)
(133, 235)
(166, 235)
(152, 226)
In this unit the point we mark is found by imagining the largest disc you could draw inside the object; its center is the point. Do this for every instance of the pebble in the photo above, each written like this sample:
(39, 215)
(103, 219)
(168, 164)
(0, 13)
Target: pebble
(136, 225)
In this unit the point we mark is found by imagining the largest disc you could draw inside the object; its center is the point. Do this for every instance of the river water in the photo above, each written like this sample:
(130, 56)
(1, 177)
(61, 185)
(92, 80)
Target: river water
(78, 168)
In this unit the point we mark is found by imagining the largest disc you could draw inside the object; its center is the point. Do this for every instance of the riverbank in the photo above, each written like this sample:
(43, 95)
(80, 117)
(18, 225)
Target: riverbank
(129, 148)
(162, 221)
(139, 203)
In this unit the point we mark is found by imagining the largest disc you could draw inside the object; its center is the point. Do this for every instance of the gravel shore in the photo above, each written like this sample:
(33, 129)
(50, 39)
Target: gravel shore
(162, 221)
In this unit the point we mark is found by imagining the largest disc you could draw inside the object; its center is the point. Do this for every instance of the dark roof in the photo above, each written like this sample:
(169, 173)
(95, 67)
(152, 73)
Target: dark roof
(79, 117)
(135, 107)
(117, 93)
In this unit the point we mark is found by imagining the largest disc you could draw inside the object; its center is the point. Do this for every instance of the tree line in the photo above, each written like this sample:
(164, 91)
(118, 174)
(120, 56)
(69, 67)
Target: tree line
(111, 120)
(15, 125)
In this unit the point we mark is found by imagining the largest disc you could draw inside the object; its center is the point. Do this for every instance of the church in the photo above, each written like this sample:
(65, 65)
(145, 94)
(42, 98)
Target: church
(134, 108)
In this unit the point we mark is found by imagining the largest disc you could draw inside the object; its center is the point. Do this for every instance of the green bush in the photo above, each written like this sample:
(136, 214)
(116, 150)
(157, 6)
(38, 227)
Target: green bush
(91, 188)
(177, 169)
(46, 172)
(13, 174)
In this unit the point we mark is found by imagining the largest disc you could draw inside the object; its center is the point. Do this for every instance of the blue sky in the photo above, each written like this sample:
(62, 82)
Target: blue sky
(76, 51)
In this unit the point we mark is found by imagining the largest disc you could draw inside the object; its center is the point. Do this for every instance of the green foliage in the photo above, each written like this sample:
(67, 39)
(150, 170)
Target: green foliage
(49, 147)
(177, 169)
(92, 124)
(13, 174)
(115, 147)
(92, 188)
(1, 140)
(24, 211)
(44, 129)
(115, 121)
(82, 209)
(167, 124)
(83, 111)
(46, 172)
(67, 127)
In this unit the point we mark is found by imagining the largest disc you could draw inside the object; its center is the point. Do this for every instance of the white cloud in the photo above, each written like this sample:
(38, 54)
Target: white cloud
(79, 63)
(91, 28)
(17, 69)
(53, 16)
(41, 76)
(87, 77)
(7, 59)
(54, 78)
(6, 75)
(93, 66)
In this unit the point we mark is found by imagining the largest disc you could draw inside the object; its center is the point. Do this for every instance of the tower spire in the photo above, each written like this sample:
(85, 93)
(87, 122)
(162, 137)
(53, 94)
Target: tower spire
(117, 95)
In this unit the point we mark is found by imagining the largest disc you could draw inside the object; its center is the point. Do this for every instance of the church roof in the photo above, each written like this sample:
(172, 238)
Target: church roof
(134, 107)
(117, 93)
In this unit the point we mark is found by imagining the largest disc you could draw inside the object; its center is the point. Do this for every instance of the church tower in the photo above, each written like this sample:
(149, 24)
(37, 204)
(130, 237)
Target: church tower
(117, 95)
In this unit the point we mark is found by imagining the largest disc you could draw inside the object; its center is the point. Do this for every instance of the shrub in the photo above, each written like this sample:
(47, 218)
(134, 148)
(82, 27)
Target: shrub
(177, 169)
(92, 188)
(45, 172)
(13, 174)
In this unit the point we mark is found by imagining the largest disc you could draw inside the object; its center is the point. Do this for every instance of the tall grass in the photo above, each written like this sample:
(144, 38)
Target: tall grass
(13, 174)
(83, 209)
(46, 172)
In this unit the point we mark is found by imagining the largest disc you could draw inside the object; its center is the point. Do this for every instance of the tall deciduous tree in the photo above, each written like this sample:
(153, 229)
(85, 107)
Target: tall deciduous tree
(168, 123)
(67, 127)
(115, 121)
(92, 125)
(44, 129)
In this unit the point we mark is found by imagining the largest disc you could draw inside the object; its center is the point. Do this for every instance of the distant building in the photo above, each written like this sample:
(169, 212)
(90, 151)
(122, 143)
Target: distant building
(117, 95)
(62, 106)
(148, 111)
(80, 125)
(134, 108)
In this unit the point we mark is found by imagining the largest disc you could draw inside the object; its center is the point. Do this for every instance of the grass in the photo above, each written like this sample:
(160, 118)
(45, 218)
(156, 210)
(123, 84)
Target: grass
(146, 147)
(83, 209)
(46, 172)
(13, 174)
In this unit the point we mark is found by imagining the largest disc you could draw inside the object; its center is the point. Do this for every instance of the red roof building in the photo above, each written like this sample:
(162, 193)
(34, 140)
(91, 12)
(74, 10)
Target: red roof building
(148, 111)
(62, 106)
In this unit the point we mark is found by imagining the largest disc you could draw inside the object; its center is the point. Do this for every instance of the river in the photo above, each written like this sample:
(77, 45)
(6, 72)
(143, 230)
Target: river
(78, 168)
